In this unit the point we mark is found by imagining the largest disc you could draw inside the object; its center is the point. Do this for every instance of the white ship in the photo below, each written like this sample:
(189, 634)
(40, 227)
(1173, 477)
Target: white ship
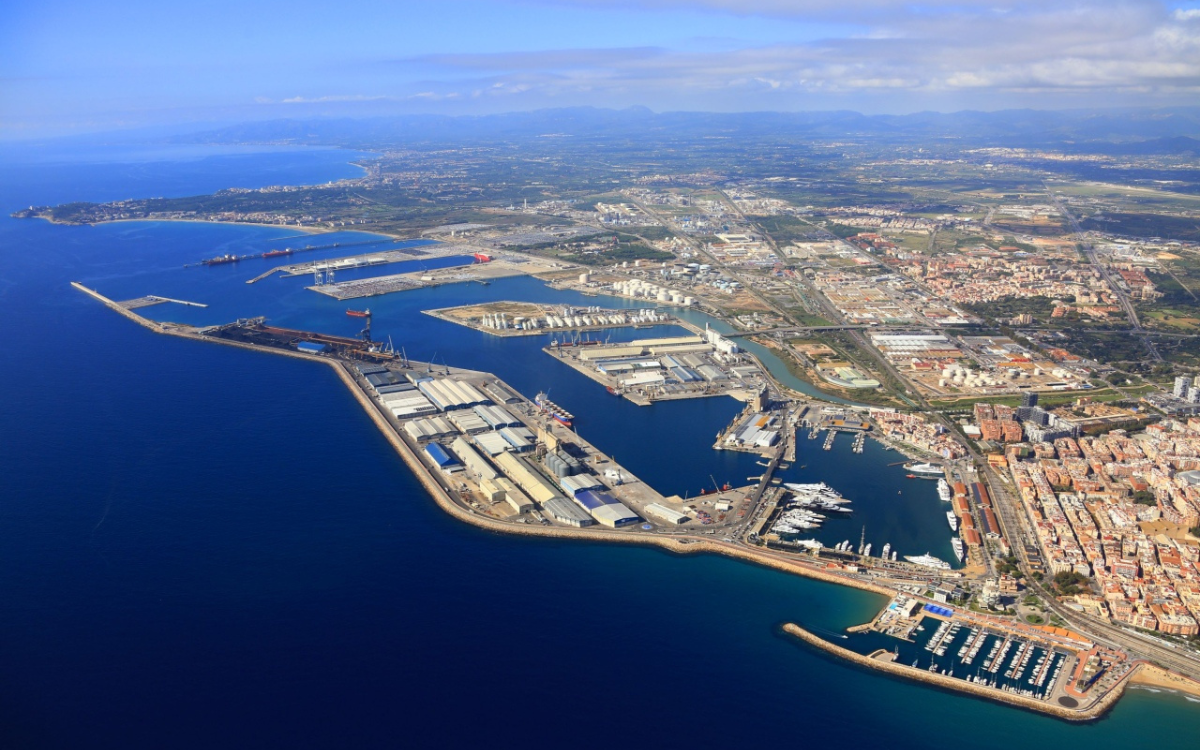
(925, 468)
(867, 550)
(959, 552)
(887, 551)
(927, 560)
(952, 520)
(944, 491)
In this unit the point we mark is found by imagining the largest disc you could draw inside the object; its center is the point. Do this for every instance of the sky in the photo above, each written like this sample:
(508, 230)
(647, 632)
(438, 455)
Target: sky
(75, 66)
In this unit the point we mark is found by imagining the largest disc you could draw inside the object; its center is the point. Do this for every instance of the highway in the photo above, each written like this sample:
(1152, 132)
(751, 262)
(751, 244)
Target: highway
(1118, 290)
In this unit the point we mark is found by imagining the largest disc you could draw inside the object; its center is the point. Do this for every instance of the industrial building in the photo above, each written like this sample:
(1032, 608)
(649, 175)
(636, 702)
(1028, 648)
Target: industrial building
(564, 511)
(448, 394)
(438, 456)
(605, 508)
(471, 459)
(492, 443)
(527, 478)
(664, 513)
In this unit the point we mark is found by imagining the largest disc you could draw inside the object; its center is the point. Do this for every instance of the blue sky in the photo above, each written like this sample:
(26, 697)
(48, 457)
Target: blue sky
(70, 66)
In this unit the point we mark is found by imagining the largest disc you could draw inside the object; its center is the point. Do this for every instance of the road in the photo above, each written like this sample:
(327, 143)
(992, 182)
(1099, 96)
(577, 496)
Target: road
(1118, 290)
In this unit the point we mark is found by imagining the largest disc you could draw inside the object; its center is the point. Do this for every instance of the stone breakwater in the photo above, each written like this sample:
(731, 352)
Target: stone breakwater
(1086, 713)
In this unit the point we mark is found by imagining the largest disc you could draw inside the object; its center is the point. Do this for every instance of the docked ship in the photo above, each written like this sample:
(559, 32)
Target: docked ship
(929, 561)
(957, 544)
(359, 313)
(612, 391)
(277, 253)
(221, 260)
(944, 491)
(952, 520)
(560, 415)
(925, 470)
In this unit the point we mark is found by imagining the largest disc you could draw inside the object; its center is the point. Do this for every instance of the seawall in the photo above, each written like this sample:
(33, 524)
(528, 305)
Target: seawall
(1087, 713)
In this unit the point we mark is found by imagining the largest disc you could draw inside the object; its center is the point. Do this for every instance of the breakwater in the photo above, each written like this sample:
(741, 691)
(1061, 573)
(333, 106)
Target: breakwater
(1085, 713)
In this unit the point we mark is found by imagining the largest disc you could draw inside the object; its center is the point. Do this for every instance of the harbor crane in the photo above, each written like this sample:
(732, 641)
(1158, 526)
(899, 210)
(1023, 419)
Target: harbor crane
(365, 333)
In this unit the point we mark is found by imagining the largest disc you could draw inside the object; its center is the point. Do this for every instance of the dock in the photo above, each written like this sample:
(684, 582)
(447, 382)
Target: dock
(153, 299)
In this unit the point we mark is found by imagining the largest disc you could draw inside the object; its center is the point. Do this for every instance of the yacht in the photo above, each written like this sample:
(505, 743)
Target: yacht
(927, 560)
(959, 551)
(944, 491)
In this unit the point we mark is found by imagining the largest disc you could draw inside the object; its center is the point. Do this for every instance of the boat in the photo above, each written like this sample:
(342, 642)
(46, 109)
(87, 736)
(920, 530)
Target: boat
(221, 260)
(925, 469)
(944, 491)
(959, 552)
(359, 313)
(928, 561)
(560, 415)
(952, 520)
(887, 551)
(612, 391)
(277, 253)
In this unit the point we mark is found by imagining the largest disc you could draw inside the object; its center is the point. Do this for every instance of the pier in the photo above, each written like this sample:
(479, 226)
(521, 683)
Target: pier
(153, 299)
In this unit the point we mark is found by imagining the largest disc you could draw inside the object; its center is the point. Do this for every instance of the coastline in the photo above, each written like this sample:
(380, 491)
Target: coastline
(1151, 676)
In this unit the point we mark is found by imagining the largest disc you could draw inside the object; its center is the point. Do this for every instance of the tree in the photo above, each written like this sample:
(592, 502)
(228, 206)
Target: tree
(1145, 497)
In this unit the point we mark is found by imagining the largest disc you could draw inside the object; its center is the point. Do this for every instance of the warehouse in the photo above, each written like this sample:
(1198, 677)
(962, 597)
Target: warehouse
(470, 458)
(501, 394)
(680, 349)
(605, 508)
(441, 459)
(684, 375)
(564, 511)
(615, 515)
(395, 388)
(666, 514)
(643, 378)
(468, 422)
(429, 429)
(610, 352)
(492, 443)
(577, 483)
(525, 477)
(516, 439)
(710, 373)
(496, 416)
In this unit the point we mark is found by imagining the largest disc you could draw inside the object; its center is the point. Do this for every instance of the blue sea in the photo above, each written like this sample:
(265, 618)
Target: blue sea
(205, 547)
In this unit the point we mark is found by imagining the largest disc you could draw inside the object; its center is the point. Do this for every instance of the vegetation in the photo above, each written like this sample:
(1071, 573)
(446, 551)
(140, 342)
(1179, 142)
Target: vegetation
(1144, 497)
(1070, 583)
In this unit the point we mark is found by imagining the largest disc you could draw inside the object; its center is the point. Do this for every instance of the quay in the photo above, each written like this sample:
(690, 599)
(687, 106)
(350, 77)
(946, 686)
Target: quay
(509, 318)
(469, 270)
(154, 299)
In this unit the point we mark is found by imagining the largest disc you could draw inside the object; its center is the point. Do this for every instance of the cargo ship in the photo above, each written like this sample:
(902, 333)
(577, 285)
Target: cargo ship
(221, 260)
(359, 313)
(560, 415)
(612, 391)
(277, 253)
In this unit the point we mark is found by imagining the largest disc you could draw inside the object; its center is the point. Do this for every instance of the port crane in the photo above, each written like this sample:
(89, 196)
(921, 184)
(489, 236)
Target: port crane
(365, 333)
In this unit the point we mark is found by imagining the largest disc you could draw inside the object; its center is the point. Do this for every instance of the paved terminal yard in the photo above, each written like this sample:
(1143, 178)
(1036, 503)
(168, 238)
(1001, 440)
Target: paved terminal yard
(661, 369)
(498, 267)
(509, 318)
